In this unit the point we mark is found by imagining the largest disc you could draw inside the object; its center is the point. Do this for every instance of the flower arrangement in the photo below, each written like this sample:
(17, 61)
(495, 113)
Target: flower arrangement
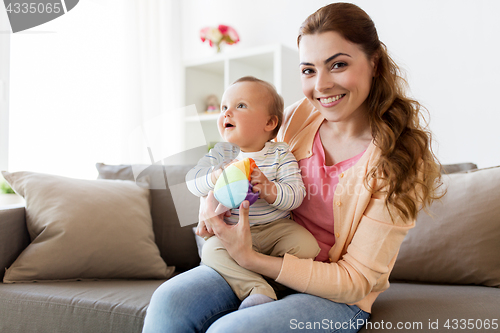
(217, 35)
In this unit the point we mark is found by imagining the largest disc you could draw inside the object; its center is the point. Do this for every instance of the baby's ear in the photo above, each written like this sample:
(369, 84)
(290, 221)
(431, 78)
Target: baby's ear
(272, 123)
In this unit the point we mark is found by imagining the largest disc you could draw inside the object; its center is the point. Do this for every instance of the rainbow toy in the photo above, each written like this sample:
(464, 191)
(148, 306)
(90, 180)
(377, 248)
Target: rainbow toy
(233, 186)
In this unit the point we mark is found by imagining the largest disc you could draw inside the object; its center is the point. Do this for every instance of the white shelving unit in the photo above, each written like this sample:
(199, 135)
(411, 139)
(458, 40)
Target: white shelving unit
(276, 64)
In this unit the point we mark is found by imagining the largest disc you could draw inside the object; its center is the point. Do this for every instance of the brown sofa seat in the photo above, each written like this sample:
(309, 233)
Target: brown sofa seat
(81, 306)
(414, 303)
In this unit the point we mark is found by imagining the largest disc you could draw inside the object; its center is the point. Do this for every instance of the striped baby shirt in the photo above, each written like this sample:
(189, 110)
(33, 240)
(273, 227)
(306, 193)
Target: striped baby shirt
(276, 162)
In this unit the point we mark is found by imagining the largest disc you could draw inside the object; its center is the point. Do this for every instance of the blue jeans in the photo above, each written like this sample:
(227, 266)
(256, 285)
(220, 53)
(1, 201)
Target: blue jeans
(200, 300)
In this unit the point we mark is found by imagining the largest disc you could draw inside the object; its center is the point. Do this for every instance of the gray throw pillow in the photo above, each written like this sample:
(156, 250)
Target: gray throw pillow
(460, 243)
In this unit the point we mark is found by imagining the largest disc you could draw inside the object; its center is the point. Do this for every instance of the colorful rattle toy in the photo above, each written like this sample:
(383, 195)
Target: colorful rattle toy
(233, 186)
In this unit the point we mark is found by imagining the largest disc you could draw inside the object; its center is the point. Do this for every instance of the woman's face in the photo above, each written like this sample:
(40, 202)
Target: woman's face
(336, 75)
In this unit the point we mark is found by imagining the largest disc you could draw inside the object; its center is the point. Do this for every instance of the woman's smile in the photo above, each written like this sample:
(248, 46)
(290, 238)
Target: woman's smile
(328, 102)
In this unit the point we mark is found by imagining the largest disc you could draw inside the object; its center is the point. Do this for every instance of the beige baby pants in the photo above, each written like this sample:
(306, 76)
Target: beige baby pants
(275, 238)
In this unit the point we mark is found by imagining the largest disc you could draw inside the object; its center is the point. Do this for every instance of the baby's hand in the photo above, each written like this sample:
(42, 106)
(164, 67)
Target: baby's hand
(218, 170)
(264, 186)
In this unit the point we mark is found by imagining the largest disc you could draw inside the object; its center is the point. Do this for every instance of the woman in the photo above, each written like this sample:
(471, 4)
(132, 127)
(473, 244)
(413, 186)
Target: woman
(368, 169)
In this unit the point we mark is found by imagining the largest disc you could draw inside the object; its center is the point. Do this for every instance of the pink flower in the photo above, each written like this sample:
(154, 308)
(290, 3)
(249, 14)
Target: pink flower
(203, 33)
(219, 34)
(233, 35)
(223, 28)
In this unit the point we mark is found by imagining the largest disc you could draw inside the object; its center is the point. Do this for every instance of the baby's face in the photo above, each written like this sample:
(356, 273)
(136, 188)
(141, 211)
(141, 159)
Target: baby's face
(244, 119)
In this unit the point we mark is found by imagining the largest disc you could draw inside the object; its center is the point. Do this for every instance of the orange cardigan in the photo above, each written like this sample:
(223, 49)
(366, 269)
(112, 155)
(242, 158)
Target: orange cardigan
(367, 240)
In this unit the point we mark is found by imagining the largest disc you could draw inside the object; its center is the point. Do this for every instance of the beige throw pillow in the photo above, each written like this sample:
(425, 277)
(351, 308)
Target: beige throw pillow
(85, 229)
(460, 244)
(176, 243)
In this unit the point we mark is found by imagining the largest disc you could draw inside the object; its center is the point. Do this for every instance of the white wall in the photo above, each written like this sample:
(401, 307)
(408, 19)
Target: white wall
(449, 50)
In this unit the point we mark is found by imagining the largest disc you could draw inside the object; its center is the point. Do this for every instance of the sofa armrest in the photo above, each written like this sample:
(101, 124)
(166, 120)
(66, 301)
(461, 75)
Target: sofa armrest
(14, 236)
(459, 167)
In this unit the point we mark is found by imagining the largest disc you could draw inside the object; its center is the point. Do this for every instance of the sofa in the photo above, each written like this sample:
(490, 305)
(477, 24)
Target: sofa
(446, 277)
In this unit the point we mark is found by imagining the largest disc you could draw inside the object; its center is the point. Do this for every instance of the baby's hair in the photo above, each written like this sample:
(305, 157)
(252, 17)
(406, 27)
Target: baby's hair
(276, 104)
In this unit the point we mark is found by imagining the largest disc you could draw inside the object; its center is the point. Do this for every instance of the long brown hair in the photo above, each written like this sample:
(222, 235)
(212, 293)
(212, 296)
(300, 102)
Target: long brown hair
(407, 163)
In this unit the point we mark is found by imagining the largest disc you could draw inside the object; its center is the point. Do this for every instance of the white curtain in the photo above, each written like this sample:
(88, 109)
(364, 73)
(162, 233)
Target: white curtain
(154, 119)
(84, 83)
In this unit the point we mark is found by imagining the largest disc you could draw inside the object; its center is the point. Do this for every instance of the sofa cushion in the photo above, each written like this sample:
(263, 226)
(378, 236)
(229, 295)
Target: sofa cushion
(76, 307)
(85, 229)
(14, 237)
(460, 243)
(176, 243)
(415, 306)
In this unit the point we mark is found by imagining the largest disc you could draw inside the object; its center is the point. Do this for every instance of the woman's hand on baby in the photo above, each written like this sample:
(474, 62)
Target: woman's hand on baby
(264, 186)
(237, 238)
(202, 229)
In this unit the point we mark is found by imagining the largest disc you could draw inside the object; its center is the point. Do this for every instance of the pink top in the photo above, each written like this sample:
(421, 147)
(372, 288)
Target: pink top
(320, 180)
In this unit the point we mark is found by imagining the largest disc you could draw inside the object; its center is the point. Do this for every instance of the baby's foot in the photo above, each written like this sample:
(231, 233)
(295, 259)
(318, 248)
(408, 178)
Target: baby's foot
(255, 299)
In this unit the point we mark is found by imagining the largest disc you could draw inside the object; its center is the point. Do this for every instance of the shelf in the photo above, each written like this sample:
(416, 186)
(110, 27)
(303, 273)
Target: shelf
(216, 67)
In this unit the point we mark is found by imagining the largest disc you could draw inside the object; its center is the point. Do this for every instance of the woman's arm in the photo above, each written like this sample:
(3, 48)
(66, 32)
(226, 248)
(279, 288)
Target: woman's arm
(369, 256)
(262, 264)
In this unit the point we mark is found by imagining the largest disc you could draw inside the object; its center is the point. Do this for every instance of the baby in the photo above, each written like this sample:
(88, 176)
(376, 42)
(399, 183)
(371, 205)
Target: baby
(251, 115)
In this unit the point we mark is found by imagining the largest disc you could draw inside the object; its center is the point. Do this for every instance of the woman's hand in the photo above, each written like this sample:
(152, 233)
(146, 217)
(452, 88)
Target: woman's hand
(265, 187)
(236, 238)
(202, 230)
